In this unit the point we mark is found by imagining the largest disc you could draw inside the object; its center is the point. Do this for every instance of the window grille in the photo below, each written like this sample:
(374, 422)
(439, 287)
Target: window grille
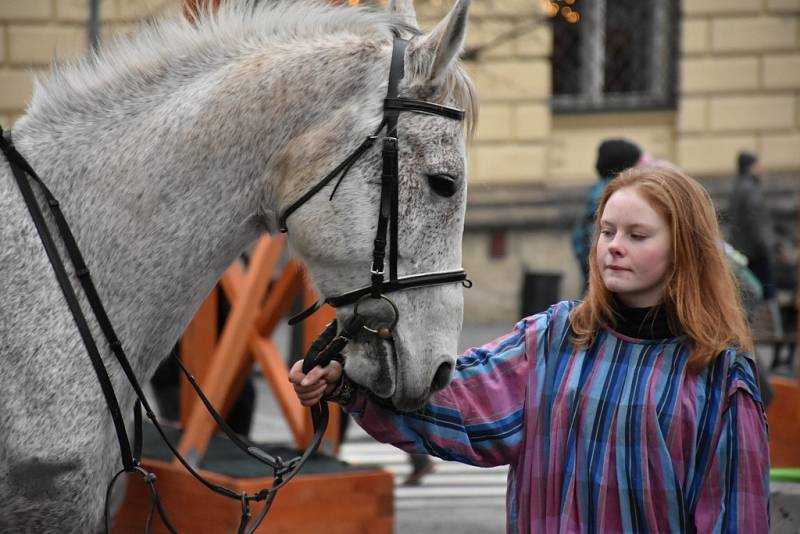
(613, 55)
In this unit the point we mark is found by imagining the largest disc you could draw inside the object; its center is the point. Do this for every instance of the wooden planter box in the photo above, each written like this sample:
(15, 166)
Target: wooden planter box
(327, 496)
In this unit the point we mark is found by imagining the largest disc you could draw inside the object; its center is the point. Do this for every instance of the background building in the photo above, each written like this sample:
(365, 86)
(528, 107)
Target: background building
(693, 81)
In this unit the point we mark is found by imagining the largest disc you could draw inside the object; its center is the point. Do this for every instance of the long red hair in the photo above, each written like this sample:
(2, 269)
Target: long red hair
(701, 296)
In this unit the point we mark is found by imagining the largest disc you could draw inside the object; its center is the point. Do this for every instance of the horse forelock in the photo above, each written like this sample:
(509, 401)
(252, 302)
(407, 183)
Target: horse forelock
(178, 45)
(458, 87)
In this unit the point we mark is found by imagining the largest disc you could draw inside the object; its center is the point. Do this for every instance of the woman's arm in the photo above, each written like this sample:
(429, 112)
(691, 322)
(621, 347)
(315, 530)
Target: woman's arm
(477, 419)
(734, 494)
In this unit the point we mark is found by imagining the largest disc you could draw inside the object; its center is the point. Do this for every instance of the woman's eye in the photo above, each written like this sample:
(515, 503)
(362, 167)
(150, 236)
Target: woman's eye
(443, 184)
(638, 237)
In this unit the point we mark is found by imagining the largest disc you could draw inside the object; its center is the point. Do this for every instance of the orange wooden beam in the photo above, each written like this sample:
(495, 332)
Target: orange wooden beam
(197, 348)
(230, 352)
(263, 349)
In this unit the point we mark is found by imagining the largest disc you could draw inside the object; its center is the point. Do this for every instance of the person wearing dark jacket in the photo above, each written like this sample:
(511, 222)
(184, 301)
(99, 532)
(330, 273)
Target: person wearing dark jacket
(751, 230)
(751, 224)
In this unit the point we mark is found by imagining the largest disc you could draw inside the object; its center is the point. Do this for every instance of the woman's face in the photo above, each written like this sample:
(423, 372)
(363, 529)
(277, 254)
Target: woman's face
(633, 249)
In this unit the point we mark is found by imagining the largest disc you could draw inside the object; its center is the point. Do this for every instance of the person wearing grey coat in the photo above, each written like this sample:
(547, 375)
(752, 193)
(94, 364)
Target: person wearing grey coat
(751, 231)
(752, 234)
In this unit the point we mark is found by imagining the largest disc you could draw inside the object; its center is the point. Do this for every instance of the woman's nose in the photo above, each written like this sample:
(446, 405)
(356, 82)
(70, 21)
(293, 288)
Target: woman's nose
(615, 246)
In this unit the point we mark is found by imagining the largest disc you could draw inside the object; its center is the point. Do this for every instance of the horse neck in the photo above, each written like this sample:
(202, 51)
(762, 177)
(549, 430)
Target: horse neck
(162, 197)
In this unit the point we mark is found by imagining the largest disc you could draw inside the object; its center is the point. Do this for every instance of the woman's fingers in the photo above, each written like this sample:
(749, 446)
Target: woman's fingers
(310, 387)
(330, 374)
(310, 395)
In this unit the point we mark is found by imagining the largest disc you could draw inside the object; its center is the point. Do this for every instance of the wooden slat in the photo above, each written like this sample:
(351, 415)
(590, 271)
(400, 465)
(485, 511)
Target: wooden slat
(231, 349)
(263, 349)
(197, 348)
(783, 415)
(275, 370)
(280, 298)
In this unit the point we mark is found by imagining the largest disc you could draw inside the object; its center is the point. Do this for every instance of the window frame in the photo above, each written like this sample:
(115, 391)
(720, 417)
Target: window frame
(591, 69)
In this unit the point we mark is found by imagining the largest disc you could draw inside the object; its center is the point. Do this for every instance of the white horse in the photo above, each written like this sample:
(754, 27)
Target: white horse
(170, 152)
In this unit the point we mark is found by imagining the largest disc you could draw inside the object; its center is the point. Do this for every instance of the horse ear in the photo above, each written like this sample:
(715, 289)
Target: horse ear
(404, 8)
(443, 43)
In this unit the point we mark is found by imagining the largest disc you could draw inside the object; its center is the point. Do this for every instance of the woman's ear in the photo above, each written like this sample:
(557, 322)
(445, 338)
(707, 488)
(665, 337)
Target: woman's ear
(432, 53)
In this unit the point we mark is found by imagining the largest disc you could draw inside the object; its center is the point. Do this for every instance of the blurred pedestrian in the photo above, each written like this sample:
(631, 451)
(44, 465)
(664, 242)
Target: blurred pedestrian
(613, 157)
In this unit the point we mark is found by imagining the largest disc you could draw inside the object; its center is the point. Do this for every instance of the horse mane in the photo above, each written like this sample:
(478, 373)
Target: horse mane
(128, 63)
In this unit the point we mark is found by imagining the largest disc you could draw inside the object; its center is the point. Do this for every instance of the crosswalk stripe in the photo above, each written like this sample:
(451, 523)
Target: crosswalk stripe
(450, 485)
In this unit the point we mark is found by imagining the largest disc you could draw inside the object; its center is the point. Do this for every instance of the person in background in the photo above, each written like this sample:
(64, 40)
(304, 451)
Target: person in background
(752, 233)
(635, 410)
(613, 157)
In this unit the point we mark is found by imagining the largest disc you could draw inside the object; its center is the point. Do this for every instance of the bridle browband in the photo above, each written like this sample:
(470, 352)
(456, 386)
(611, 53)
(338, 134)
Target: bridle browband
(325, 349)
(388, 210)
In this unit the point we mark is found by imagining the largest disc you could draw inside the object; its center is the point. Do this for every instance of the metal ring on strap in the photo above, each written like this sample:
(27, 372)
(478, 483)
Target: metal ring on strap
(382, 332)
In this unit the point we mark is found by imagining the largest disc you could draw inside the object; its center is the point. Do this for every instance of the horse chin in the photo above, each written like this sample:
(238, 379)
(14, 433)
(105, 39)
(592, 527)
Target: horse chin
(370, 363)
(373, 363)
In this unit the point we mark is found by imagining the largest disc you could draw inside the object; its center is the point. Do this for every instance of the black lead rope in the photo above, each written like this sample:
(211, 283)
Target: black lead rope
(283, 471)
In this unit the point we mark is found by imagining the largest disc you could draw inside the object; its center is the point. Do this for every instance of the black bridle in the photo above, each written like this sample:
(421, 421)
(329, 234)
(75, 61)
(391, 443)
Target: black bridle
(326, 348)
(388, 211)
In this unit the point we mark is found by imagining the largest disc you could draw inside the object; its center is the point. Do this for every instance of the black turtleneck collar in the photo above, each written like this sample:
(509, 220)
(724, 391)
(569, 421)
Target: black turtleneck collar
(641, 323)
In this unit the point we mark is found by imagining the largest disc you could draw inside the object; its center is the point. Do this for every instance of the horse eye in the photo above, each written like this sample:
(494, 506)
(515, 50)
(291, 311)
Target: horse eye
(443, 184)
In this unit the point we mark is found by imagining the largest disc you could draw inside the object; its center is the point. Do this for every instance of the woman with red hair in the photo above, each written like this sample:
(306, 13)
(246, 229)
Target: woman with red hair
(635, 410)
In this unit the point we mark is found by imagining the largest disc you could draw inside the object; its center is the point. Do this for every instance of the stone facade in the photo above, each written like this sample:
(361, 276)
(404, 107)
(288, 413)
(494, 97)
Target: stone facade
(34, 32)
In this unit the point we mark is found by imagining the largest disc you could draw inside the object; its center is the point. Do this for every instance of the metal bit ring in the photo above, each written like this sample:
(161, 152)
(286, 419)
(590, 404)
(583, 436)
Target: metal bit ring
(383, 332)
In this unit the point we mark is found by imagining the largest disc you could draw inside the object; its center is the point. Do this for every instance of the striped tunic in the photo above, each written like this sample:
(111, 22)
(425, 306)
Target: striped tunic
(618, 438)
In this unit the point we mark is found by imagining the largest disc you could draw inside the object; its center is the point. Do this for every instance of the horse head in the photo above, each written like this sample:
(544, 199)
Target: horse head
(335, 231)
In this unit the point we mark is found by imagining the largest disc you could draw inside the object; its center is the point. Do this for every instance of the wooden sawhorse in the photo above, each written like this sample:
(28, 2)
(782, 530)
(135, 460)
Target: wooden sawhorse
(336, 501)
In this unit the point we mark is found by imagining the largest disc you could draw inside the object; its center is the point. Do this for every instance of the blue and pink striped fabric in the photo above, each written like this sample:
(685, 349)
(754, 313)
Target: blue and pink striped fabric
(619, 438)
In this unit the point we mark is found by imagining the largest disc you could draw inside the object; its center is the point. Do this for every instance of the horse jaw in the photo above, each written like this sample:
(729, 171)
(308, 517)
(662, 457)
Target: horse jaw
(422, 356)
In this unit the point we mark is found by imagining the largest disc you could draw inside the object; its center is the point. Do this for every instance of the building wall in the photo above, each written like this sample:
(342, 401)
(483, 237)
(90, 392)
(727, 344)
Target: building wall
(33, 32)
(740, 84)
(513, 81)
(739, 87)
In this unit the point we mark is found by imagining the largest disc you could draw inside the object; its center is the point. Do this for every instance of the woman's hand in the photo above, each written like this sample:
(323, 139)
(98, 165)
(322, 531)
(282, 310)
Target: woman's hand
(319, 381)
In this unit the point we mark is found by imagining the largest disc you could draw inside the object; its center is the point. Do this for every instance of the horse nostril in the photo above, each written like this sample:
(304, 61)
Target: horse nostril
(442, 377)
